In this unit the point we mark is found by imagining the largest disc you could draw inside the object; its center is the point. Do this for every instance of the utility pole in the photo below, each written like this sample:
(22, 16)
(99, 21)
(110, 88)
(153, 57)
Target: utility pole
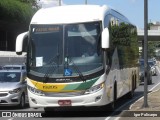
(59, 2)
(145, 104)
(86, 2)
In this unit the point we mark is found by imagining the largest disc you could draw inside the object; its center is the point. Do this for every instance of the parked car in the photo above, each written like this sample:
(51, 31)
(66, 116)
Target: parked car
(15, 67)
(141, 74)
(13, 88)
(154, 61)
(151, 63)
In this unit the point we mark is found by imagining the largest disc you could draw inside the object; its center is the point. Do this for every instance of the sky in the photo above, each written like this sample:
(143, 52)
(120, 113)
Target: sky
(132, 9)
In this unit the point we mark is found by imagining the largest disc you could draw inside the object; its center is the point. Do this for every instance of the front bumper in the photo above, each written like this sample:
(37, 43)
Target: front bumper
(7, 99)
(95, 99)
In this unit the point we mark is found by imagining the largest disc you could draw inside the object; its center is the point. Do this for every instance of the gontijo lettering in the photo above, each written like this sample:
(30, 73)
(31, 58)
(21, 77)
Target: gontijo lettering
(47, 29)
(50, 87)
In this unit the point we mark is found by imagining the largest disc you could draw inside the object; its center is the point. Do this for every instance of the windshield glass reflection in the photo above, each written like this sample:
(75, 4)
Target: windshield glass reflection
(9, 76)
(53, 47)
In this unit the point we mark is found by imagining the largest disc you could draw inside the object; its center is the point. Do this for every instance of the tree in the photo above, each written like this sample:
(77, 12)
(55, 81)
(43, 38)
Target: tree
(152, 45)
(149, 25)
(15, 16)
(19, 11)
(151, 49)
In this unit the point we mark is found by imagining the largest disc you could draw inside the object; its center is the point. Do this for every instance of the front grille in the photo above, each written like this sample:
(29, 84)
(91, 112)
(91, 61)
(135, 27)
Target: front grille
(65, 94)
(3, 94)
(3, 101)
(14, 100)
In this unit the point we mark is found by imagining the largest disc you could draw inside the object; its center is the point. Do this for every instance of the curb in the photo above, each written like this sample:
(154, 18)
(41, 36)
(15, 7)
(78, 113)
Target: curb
(142, 98)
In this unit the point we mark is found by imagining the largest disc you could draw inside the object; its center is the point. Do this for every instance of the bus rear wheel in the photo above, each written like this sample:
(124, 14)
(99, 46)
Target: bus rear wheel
(131, 93)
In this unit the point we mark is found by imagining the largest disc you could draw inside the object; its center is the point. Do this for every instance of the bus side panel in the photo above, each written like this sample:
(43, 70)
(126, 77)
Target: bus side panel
(122, 55)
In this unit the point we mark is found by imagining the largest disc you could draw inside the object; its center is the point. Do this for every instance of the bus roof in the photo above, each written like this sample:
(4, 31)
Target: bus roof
(70, 14)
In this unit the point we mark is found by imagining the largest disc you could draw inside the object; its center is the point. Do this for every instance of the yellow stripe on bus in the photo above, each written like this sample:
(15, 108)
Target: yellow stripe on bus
(48, 87)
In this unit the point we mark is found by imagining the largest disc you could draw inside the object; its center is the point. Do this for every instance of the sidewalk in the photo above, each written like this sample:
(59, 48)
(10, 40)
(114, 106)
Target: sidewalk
(137, 112)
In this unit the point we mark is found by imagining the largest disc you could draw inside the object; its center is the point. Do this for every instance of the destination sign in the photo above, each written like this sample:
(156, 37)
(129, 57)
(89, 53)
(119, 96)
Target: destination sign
(47, 29)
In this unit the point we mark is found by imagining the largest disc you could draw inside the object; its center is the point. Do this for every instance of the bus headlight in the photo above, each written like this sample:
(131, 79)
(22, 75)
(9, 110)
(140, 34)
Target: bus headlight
(35, 91)
(94, 88)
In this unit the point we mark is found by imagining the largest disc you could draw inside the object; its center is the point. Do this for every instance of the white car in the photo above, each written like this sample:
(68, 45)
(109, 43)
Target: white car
(13, 88)
(153, 67)
(15, 67)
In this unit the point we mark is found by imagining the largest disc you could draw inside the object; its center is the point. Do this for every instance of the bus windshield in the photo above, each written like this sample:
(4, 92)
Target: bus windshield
(65, 50)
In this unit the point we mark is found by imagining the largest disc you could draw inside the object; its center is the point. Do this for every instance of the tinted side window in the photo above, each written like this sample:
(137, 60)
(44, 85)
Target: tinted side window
(107, 20)
(124, 37)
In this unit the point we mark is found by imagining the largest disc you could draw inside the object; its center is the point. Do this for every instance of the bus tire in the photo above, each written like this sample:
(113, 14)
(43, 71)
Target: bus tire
(131, 93)
(48, 109)
(135, 82)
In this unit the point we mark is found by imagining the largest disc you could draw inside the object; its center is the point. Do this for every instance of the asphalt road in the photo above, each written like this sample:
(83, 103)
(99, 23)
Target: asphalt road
(79, 113)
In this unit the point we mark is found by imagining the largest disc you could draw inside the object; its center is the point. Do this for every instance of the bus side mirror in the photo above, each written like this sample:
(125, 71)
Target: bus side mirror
(19, 42)
(105, 38)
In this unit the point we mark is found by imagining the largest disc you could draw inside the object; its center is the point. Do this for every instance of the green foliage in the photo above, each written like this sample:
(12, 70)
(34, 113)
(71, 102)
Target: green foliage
(149, 25)
(151, 49)
(152, 46)
(19, 11)
(124, 37)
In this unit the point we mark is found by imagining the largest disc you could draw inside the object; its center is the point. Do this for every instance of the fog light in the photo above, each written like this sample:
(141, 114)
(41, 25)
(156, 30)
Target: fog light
(14, 100)
(98, 98)
(33, 100)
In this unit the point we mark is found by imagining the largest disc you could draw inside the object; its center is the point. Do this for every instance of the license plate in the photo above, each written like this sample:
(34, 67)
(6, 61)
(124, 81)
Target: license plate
(64, 102)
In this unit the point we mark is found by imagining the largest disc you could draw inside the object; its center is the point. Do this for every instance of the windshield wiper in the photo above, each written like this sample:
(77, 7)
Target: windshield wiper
(81, 76)
(74, 66)
(52, 66)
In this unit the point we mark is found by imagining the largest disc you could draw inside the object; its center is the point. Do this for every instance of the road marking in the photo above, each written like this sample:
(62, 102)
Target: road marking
(10, 118)
(114, 118)
(158, 69)
(149, 90)
(158, 83)
(118, 109)
(117, 118)
(155, 86)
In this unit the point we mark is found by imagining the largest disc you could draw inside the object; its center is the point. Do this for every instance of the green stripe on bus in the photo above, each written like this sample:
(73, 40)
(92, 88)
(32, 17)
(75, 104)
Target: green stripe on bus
(81, 86)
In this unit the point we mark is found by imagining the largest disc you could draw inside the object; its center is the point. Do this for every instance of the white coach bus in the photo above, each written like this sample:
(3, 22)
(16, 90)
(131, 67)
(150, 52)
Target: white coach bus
(59, 71)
